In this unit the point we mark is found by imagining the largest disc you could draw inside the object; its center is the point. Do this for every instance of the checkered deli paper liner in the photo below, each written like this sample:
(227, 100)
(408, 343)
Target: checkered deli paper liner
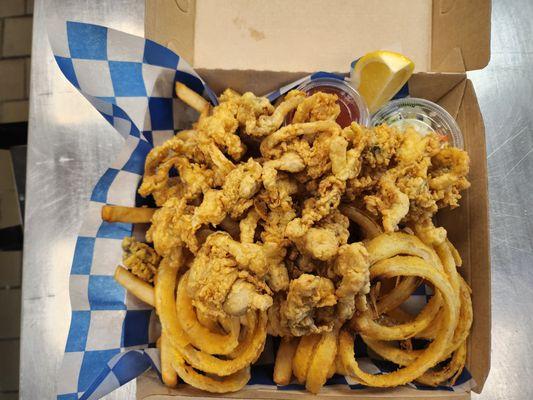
(130, 81)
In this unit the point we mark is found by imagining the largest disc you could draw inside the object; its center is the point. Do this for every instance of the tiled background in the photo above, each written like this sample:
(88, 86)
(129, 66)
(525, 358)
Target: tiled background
(15, 46)
(15, 50)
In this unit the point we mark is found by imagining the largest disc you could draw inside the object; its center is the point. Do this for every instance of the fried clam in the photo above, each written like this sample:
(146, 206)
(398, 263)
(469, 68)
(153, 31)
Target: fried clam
(256, 202)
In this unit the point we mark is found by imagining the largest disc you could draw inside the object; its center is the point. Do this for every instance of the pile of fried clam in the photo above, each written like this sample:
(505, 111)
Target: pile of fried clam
(275, 220)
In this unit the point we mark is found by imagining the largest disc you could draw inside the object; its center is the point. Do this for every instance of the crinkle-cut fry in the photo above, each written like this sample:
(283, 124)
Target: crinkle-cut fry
(370, 228)
(284, 356)
(210, 364)
(192, 99)
(136, 286)
(366, 325)
(213, 384)
(165, 302)
(303, 355)
(133, 215)
(407, 266)
(200, 336)
(322, 359)
(168, 373)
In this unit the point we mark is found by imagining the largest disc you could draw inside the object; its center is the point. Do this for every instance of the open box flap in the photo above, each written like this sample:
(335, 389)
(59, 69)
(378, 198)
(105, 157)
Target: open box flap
(439, 35)
(460, 39)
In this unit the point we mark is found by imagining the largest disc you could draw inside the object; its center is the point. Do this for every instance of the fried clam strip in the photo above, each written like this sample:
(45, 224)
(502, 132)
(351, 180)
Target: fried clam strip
(319, 242)
(351, 265)
(317, 107)
(183, 153)
(271, 146)
(226, 277)
(407, 266)
(284, 356)
(266, 124)
(305, 309)
(200, 336)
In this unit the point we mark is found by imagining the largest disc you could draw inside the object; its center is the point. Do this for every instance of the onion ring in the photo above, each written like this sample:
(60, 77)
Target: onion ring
(407, 266)
(168, 373)
(165, 302)
(200, 336)
(450, 372)
(231, 383)
(370, 228)
(365, 324)
(210, 364)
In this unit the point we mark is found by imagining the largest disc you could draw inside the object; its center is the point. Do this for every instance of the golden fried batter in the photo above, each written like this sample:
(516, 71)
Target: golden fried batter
(258, 227)
(140, 259)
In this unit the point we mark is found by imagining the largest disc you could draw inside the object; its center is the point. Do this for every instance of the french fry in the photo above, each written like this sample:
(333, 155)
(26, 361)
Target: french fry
(192, 99)
(134, 215)
(283, 364)
(168, 373)
(137, 287)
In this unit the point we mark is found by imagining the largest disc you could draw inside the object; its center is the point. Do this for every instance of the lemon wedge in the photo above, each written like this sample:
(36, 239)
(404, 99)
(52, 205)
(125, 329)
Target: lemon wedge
(379, 75)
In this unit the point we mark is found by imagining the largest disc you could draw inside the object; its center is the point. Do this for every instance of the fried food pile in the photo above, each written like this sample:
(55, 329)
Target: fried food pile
(275, 219)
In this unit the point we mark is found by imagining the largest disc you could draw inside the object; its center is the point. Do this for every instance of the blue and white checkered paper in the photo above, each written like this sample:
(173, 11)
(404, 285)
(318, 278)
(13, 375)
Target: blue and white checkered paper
(130, 81)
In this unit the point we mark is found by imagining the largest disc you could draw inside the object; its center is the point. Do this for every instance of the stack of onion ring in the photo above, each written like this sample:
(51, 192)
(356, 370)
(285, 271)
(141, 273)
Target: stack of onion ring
(188, 346)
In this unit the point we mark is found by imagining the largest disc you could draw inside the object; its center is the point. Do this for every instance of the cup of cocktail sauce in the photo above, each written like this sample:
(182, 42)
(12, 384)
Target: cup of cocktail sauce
(422, 115)
(352, 105)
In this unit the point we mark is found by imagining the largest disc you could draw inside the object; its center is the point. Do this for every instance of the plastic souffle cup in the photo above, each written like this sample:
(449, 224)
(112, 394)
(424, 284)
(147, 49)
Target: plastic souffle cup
(423, 115)
(352, 104)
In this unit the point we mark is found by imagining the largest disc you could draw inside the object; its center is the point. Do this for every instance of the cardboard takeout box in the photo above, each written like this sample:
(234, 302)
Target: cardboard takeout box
(261, 45)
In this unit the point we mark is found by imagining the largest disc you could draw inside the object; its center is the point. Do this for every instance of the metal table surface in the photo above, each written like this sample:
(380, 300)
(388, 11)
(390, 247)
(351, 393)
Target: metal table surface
(70, 145)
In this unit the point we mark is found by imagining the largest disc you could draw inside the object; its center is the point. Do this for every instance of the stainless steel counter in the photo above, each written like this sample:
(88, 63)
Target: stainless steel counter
(70, 145)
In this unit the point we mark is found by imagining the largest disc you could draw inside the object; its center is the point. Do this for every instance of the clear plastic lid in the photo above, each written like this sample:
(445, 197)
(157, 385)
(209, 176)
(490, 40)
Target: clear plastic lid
(353, 106)
(423, 115)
